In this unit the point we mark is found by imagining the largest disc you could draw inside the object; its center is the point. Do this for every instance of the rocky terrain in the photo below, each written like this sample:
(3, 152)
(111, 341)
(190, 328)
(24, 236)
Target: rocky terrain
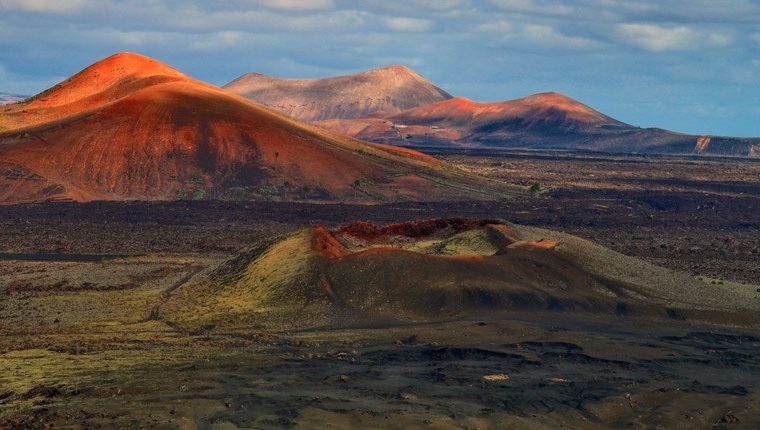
(98, 328)
(541, 121)
(395, 105)
(226, 266)
(132, 128)
(385, 91)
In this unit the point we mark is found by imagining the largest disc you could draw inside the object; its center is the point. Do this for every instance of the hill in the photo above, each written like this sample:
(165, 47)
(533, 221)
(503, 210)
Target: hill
(540, 121)
(131, 128)
(379, 92)
(443, 269)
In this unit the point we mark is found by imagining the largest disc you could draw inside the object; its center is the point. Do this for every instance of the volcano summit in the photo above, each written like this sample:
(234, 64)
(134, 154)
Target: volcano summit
(131, 128)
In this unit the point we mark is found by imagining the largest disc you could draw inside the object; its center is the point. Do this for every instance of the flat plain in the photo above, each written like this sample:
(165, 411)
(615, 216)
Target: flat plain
(85, 340)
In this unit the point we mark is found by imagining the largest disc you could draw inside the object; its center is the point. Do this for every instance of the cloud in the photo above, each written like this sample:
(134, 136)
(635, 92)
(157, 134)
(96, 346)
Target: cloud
(257, 21)
(719, 39)
(535, 35)
(409, 6)
(541, 7)
(500, 26)
(545, 35)
(54, 6)
(297, 4)
(657, 38)
(408, 24)
(218, 40)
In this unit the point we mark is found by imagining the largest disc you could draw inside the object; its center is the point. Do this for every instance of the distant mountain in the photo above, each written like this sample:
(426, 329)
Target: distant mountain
(379, 92)
(6, 98)
(397, 106)
(131, 128)
(540, 121)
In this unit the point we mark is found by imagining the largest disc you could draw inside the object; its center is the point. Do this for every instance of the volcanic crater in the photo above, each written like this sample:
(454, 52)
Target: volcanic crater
(441, 269)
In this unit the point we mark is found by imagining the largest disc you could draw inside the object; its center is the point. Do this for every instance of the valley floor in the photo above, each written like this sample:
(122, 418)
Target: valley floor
(83, 343)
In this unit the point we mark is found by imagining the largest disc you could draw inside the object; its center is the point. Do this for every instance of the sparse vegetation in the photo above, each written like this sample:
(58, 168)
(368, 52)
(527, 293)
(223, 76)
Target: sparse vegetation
(535, 188)
(363, 182)
(190, 193)
(269, 190)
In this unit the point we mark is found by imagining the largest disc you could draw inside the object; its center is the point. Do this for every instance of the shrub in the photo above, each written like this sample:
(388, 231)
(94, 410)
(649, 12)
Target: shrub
(270, 190)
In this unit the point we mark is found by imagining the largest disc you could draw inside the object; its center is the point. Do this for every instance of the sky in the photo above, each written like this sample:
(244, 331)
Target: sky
(684, 65)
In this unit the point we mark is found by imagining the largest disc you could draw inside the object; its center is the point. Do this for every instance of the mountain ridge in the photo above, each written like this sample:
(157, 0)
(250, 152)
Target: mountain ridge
(382, 91)
(131, 128)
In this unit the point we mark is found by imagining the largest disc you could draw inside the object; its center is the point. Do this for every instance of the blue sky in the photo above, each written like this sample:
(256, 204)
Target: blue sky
(691, 66)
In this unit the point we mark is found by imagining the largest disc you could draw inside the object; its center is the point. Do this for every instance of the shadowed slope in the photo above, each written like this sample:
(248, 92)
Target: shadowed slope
(377, 92)
(441, 269)
(536, 111)
(540, 121)
(130, 127)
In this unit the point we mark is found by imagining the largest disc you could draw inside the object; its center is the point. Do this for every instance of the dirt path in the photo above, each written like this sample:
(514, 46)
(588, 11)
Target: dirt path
(155, 313)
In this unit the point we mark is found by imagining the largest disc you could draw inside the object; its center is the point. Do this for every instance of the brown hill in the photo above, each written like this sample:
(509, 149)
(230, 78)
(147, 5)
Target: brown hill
(540, 121)
(532, 112)
(442, 269)
(129, 127)
(379, 92)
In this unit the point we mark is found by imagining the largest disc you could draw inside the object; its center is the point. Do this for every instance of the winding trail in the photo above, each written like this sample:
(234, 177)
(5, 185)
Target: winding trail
(155, 313)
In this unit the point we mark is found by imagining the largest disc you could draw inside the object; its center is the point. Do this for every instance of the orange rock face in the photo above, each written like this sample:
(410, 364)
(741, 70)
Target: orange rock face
(129, 127)
(538, 107)
(463, 120)
(703, 142)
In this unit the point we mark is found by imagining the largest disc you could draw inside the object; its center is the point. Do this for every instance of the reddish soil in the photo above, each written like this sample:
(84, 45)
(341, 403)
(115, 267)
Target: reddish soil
(533, 109)
(326, 245)
(539, 121)
(694, 215)
(129, 127)
(412, 229)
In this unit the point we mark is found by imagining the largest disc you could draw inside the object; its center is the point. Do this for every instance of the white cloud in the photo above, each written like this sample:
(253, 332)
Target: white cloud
(215, 41)
(55, 6)
(434, 4)
(535, 35)
(657, 38)
(719, 39)
(297, 4)
(133, 38)
(408, 24)
(500, 26)
(257, 21)
(537, 7)
(545, 35)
